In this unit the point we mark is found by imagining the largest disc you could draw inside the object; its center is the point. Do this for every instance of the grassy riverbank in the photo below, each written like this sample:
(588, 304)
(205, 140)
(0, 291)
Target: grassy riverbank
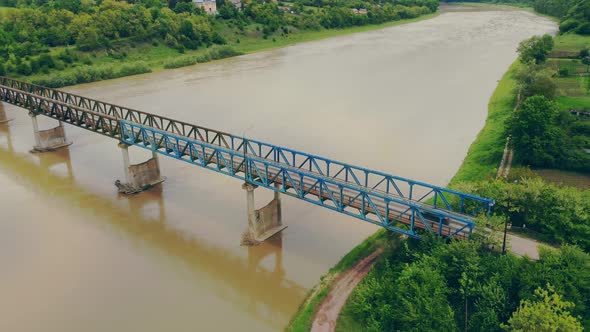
(486, 151)
(139, 58)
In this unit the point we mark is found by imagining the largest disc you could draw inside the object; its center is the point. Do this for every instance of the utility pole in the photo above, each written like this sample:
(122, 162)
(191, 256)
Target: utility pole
(506, 226)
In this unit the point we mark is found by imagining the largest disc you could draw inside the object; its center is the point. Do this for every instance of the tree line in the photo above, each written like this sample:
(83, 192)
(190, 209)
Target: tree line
(431, 285)
(574, 15)
(33, 28)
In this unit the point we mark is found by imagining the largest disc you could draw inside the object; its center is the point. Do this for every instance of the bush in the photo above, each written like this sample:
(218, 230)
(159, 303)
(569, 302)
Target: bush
(584, 29)
(180, 62)
(564, 72)
(568, 25)
(66, 56)
(24, 68)
(86, 74)
(218, 39)
(46, 60)
(203, 58)
(133, 69)
(534, 80)
(223, 52)
(536, 136)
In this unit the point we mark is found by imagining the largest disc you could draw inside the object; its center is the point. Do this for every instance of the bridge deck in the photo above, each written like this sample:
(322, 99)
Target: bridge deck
(386, 200)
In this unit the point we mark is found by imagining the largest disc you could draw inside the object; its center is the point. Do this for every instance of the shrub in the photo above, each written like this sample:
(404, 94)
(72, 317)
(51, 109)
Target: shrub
(46, 60)
(24, 68)
(133, 69)
(223, 52)
(584, 29)
(180, 62)
(203, 58)
(85, 74)
(568, 25)
(564, 72)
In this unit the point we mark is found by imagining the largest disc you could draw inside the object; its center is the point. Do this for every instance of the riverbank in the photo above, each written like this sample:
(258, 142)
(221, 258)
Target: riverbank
(480, 163)
(485, 152)
(141, 58)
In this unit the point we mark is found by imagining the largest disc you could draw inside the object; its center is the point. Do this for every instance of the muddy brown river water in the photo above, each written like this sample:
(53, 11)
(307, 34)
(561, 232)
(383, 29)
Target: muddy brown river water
(76, 256)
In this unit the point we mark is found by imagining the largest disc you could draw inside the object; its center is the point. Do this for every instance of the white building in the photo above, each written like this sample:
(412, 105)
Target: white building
(210, 6)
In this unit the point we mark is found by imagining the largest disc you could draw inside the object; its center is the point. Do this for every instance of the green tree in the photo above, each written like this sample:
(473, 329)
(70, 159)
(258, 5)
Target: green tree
(24, 68)
(227, 10)
(584, 53)
(536, 80)
(548, 314)
(586, 61)
(422, 303)
(88, 39)
(535, 137)
(535, 49)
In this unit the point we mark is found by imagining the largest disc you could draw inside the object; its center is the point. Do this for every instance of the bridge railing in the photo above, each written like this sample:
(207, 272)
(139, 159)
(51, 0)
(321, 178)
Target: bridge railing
(404, 188)
(204, 134)
(439, 197)
(94, 121)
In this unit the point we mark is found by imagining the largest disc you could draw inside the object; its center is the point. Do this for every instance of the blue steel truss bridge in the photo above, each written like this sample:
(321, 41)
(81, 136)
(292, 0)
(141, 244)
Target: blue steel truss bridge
(393, 202)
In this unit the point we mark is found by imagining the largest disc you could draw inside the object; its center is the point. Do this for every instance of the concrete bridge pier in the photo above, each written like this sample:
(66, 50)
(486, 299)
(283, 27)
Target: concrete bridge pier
(3, 117)
(50, 139)
(263, 223)
(139, 177)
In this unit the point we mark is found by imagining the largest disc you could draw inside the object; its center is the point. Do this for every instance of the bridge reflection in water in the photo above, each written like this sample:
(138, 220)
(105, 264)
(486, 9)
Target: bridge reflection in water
(251, 286)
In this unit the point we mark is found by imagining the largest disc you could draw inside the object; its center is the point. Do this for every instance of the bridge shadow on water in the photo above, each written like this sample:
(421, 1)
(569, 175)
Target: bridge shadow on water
(245, 283)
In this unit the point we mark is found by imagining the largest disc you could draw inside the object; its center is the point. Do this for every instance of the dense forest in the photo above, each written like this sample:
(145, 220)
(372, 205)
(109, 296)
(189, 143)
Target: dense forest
(37, 36)
(464, 285)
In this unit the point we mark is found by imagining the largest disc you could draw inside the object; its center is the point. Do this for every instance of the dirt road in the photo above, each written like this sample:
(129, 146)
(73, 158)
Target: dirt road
(327, 315)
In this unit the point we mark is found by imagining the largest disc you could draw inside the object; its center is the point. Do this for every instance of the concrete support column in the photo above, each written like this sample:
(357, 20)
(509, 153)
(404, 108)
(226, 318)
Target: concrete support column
(155, 157)
(125, 153)
(277, 200)
(250, 208)
(3, 117)
(35, 129)
(50, 139)
(264, 222)
(139, 177)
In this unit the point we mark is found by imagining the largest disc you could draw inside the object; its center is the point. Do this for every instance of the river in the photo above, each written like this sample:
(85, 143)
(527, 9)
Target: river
(76, 256)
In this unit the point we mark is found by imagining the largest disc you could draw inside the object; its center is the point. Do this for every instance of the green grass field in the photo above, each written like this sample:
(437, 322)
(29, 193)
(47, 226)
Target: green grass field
(573, 91)
(571, 43)
(568, 103)
(573, 66)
